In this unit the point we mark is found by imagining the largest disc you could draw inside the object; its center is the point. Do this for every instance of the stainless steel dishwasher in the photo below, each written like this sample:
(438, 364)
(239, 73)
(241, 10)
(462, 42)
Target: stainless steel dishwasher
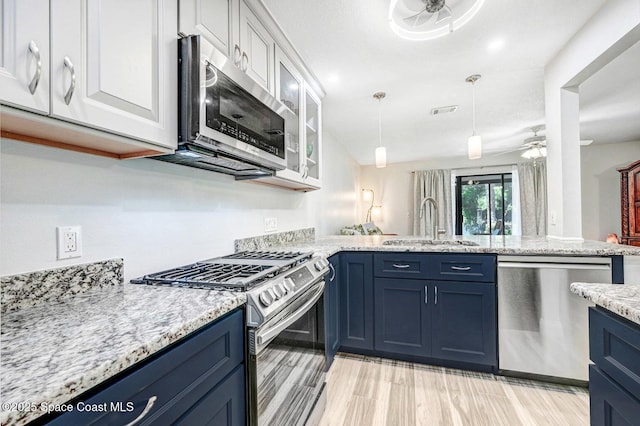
(542, 326)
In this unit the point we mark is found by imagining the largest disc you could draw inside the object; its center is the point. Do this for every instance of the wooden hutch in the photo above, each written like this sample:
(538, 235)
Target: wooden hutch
(630, 203)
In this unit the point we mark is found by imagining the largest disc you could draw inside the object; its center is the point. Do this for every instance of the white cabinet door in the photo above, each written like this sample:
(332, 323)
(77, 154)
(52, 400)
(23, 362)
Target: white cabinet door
(289, 91)
(313, 137)
(114, 66)
(24, 54)
(257, 49)
(215, 20)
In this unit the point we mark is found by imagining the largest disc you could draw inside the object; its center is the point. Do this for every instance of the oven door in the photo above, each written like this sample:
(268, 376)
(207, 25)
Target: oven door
(286, 364)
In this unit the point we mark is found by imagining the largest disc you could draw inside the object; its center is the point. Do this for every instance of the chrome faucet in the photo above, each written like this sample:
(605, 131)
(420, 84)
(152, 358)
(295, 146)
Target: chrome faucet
(435, 232)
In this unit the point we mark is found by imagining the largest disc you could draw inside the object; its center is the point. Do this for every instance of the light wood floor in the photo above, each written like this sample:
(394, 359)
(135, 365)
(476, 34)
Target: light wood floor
(373, 391)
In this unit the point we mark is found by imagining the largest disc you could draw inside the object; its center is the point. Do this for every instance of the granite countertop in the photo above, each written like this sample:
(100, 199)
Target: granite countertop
(623, 300)
(53, 352)
(498, 244)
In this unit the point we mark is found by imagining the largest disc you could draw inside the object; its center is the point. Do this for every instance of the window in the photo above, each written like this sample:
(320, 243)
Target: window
(484, 204)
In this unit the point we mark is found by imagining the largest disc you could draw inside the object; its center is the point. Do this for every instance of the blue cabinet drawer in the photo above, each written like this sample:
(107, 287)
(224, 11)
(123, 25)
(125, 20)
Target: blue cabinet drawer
(208, 355)
(614, 346)
(400, 265)
(462, 267)
(609, 403)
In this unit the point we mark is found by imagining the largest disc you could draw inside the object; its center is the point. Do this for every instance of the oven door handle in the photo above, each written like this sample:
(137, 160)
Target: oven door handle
(264, 336)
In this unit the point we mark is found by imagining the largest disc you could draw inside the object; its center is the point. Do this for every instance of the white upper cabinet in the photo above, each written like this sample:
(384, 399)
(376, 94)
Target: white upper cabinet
(113, 66)
(233, 28)
(257, 46)
(216, 20)
(24, 55)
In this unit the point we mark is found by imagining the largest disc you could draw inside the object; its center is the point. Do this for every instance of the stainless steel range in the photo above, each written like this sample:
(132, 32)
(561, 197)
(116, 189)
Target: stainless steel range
(285, 326)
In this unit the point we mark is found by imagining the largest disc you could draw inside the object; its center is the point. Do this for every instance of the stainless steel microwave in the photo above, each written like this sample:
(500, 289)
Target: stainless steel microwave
(227, 122)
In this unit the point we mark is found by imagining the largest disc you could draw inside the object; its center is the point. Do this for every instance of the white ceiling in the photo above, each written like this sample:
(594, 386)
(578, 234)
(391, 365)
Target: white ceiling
(351, 48)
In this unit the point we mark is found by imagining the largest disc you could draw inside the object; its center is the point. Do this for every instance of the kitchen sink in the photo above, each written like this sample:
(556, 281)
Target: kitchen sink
(425, 242)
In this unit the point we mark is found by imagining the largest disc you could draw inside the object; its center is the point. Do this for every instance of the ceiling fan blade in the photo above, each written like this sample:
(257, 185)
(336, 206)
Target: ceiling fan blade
(448, 9)
(414, 17)
(511, 150)
(444, 13)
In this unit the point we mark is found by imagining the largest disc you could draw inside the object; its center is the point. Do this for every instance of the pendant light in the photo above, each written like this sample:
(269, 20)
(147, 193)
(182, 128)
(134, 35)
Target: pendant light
(474, 144)
(381, 151)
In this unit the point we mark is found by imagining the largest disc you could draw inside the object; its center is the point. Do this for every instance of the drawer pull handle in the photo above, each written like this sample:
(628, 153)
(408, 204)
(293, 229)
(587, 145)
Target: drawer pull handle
(461, 268)
(426, 295)
(333, 272)
(146, 410)
(69, 65)
(395, 265)
(33, 49)
(435, 302)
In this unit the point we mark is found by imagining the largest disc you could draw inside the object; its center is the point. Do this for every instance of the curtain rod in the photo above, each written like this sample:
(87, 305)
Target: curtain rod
(481, 167)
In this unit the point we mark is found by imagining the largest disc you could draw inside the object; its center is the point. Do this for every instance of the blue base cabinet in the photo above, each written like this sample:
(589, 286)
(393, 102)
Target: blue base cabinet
(356, 301)
(332, 310)
(424, 307)
(200, 380)
(464, 322)
(436, 307)
(402, 317)
(614, 380)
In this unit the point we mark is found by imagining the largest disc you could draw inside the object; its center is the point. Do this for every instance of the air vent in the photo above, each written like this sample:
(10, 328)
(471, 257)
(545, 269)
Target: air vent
(444, 110)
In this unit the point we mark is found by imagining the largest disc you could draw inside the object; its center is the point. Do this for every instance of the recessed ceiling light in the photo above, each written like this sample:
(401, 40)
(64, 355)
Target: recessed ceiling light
(495, 44)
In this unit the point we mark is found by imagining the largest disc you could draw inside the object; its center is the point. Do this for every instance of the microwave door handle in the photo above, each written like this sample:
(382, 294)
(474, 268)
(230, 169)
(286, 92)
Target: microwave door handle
(263, 337)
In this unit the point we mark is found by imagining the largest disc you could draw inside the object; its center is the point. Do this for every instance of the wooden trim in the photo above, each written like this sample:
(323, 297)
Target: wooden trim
(70, 147)
(139, 154)
(629, 167)
(624, 203)
(56, 144)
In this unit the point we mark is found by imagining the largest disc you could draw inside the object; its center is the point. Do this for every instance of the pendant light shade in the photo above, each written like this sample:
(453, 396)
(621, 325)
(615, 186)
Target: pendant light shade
(381, 157)
(474, 144)
(381, 151)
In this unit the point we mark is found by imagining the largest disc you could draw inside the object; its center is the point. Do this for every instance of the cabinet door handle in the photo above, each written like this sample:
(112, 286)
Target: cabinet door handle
(461, 268)
(245, 62)
(435, 302)
(426, 295)
(333, 272)
(146, 410)
(395, 265)
(69, 65)
(237, 55)
(33, 49)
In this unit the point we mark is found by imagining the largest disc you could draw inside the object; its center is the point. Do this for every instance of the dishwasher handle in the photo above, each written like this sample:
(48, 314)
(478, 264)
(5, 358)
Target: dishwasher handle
(542, 265)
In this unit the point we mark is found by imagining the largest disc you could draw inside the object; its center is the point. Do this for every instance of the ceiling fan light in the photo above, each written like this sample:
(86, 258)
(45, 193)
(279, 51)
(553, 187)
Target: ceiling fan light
(534, 152)
(474, 147)
(381, 157)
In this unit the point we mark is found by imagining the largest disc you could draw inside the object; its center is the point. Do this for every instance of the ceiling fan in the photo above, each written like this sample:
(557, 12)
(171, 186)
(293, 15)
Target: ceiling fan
(437, 8)
(535, 147)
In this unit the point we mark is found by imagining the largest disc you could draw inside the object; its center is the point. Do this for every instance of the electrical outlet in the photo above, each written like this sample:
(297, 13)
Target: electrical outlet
(69, 242)
(270, 224)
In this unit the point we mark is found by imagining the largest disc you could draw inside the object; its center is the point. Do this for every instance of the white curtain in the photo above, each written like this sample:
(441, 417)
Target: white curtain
(435, 184)
(533, 198)
(516, 211)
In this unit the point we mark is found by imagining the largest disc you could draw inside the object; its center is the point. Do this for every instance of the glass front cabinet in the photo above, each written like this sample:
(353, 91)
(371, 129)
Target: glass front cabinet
(303, 135)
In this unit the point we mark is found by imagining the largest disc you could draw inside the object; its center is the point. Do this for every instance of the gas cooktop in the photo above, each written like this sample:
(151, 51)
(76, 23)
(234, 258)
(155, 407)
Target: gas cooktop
(239, 271)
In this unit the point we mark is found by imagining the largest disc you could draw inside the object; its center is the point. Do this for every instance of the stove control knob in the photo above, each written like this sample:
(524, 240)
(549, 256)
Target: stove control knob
(289, 285)
(266, 298)
(282, 288)
(318, 266)
(276, 290)
(273, 294)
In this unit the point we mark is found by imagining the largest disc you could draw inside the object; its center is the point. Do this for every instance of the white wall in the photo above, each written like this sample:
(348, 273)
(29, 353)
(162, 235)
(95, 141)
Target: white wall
(153, 214)
(393, 187)
(601, 186)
